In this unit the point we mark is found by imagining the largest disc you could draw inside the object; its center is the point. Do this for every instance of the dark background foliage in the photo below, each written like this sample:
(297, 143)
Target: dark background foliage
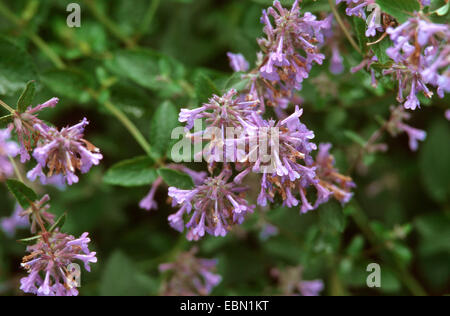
(139, 54)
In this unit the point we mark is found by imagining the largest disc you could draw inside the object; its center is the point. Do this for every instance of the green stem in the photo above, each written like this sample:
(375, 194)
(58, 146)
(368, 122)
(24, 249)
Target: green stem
(7, 107)
(148, 18)
(47, 50)
(126, 122)
(38, 41)
(407, 279)
(343, 27)
(16, 168)
(110, 25)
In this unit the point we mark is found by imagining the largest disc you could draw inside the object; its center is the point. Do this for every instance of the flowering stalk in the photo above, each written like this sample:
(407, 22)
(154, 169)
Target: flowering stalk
(421, 53)
(51, 260)
(189, 276)
(291, 282)
(288, 51)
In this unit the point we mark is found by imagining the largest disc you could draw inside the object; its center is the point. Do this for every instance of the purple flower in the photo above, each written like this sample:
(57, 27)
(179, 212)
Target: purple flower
(238, 62)
(149, 203)
(291, 282)
(282, 153)
(63, 152)
(447, 114)
(220, 113)
(337, 61)
(332, 41)
(10, 224)
(356, 7)
(420, 53)
(374, 23)
(396, 126)
(330, 179)
(48, 264)
(366, 64)
(291, 45)
(8, 149)
(24, 125)
(268, 231)
(212, 207)
(190, 276)
(311, 288)
(415, 135)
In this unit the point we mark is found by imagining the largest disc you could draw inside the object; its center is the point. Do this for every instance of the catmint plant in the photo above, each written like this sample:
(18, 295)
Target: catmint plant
(61, 152)
(286, 168)
(281, 158)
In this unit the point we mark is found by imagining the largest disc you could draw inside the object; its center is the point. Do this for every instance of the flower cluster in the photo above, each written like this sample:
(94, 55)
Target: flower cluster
(290, 46)
(421, 54)
(8, 150)
(330, 178)
(51, 264)
(358, 8)
(190, 276)
(24, 125)
(59, 153)
(63, 152)
(291, 283)
(277, 152)
(288, 51)
(216, 205)
(48, 264)
(291, 169)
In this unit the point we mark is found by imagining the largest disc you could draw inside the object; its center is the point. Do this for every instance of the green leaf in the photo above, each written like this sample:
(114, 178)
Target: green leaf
(380, 50)
(434, 161)
(332, 217)
(122, 278)
(23, 194)
(237, 82)
(59, 222)
(27, 96)
(149, 69)
(402, 10)
(356, 246)
(176, 179)
(360, 30)
(163, 122)
(133, 172)
(434, 233)
(16, 68)
(443, 10)
(205, 88)
(72, 84)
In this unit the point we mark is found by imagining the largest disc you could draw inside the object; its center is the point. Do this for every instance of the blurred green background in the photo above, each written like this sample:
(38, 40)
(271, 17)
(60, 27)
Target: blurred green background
(137, 55)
